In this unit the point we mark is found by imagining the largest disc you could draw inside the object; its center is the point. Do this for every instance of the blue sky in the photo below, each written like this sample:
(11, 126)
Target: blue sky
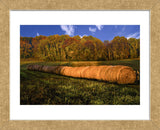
(102, 32)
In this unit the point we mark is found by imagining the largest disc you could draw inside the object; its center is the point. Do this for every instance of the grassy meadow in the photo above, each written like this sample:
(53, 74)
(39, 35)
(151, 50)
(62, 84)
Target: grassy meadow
(39, 88)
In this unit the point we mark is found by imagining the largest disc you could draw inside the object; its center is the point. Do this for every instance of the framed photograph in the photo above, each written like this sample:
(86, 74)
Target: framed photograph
(69, 67)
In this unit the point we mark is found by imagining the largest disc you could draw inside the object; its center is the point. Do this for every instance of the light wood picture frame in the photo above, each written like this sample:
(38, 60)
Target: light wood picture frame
(152, 6)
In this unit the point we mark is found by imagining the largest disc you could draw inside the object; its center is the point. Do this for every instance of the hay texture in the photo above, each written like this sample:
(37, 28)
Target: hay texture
(114, 74)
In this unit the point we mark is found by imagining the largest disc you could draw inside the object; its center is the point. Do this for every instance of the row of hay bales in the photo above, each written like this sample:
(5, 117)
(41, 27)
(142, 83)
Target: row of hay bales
(115, 74)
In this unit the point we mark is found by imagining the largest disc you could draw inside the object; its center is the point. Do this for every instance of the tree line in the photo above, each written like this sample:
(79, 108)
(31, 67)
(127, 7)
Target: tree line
(87, 48)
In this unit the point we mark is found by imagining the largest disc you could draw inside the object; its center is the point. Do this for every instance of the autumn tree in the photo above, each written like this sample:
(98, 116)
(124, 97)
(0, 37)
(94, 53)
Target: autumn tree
(66, 48)
(118, 48)
(25, 49)
(35, 42)
(134, 45)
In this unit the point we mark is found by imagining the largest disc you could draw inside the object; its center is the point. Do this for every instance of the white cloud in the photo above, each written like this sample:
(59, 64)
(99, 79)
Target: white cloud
(37, 34)
(133, 35)
(92, 29)
(83, 35)
(100, 27)
(69, 29)
(122, 31)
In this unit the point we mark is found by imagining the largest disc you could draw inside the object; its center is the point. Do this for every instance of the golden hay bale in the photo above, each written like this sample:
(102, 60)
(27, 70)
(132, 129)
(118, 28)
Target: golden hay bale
(89, 72)
(103, 73)
(119, 74)
(58, 70)
(76, 72)
(126, 75)
(83, 71)
(62, 70)
(67, 71)
(73, 72)
(111, 73)
(99, 71)
(95, 72)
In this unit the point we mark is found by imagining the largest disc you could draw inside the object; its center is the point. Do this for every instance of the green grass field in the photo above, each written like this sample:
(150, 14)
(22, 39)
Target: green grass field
(38, 88)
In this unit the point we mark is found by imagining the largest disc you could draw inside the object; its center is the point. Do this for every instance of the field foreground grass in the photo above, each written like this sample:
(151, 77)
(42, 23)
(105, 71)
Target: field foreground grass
(51, 89)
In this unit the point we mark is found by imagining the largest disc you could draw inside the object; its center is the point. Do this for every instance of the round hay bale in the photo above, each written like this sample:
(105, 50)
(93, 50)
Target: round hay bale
(119, 74)
(126, 75)
(77, 72)
(103, 74)
(99, 72)
(58, 69)
(62, 70)
(91, 72)
(74, 72)
(111, 73)
(65, 71)
(83, 71)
